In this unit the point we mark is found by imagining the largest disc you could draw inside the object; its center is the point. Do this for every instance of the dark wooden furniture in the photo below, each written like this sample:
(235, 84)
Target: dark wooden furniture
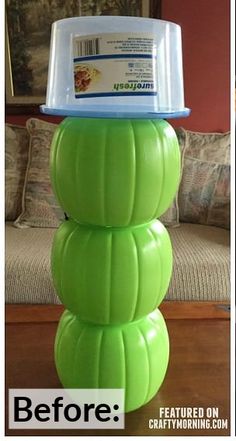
(198, 373)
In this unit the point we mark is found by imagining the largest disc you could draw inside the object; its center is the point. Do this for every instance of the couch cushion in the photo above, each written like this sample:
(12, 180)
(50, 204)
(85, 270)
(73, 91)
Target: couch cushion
(201, 269)
(201, 264)
(28, 277)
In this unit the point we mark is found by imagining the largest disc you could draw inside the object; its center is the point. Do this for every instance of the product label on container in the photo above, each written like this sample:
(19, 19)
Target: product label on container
(114, 65)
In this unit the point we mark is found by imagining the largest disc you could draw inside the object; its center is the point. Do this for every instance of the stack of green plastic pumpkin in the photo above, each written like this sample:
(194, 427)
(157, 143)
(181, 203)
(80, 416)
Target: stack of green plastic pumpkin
(112, 260)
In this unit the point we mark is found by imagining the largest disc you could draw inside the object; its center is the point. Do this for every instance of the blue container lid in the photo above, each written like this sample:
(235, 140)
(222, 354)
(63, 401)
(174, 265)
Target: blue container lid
(118, 112)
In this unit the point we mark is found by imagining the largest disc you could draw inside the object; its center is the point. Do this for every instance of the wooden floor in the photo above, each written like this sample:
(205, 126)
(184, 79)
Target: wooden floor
(198, 372)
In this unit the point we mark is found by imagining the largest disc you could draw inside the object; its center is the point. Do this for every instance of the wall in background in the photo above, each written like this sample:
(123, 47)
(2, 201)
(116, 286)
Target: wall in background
(206, 52)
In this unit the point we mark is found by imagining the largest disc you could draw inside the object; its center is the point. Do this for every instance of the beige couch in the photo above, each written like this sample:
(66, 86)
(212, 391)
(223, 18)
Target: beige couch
(201, 252)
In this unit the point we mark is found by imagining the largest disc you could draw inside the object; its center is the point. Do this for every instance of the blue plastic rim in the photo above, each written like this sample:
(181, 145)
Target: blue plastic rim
(111, 113)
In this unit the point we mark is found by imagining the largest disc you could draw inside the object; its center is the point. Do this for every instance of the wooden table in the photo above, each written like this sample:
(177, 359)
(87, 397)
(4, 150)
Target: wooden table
(198, 373)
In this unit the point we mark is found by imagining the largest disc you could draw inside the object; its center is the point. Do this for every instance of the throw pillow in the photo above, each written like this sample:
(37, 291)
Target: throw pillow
(16, 156)
(213, 147)
(204, 195)
(39, 206)
(171, 217)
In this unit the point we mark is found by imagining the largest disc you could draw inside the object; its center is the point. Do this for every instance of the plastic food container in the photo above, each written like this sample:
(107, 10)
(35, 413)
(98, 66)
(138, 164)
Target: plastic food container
(110, 66)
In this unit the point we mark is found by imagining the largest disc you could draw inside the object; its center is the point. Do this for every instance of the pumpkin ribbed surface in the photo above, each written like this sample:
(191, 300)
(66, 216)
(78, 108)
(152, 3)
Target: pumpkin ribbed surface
(111, 275)
(132, 356)
(114, 172)
(111, 261)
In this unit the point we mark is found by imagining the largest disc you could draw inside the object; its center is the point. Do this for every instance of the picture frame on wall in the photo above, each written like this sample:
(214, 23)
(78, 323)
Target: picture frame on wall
(28, 28)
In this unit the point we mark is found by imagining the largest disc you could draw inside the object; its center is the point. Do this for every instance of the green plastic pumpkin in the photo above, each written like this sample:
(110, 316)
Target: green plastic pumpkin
(111, 275)
(132, 356)
(114, 172)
